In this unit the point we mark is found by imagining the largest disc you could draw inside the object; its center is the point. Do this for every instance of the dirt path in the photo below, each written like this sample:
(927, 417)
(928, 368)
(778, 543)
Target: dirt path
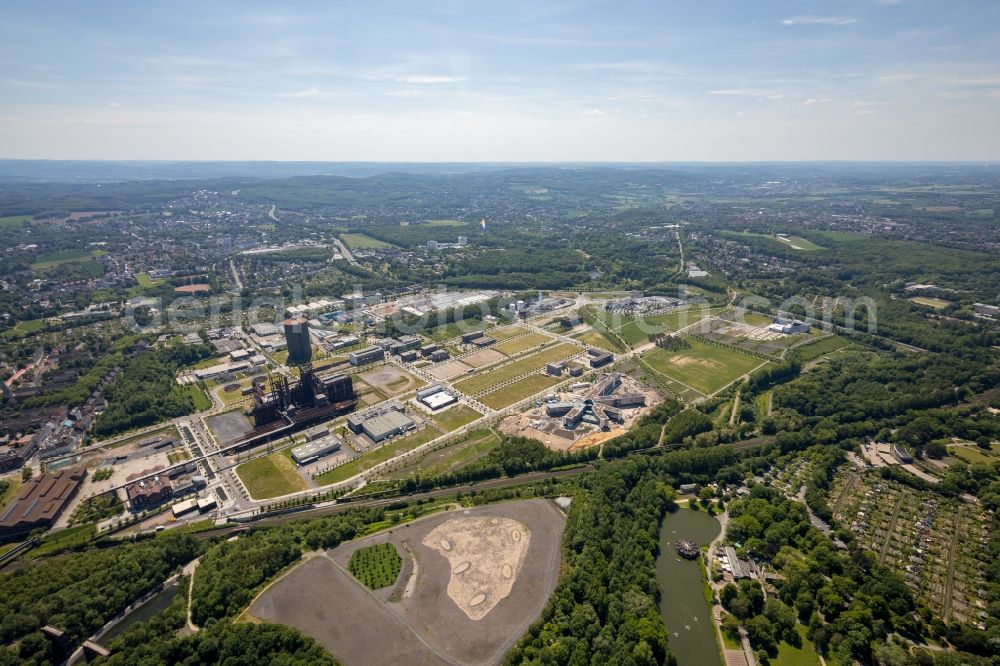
(950, 580)
(770, 402)
(892, 528)
(843, 494)
(736, 409)
(189, 570)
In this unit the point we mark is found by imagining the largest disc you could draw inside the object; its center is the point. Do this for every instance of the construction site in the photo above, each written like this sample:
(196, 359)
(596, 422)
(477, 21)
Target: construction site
(584, 414)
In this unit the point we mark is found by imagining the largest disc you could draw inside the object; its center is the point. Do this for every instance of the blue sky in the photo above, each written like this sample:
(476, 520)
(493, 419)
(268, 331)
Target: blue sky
(449, 80)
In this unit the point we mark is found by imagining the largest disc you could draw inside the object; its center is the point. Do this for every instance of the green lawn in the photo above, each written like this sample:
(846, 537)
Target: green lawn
(821, 347)
(271, 476)
(506, 333)
(793, 656)
(379, 455)
(491, 378)
(971, 455)
(520, 390)
(362, 242)
(595, 339)
(448, 331)
(455, 417)
(376, 566)
(233, 396)
(201, 401)
(13, 488)
(145, 282)
(705, 368)
(60, 540)
(512, 347)
(23, 328)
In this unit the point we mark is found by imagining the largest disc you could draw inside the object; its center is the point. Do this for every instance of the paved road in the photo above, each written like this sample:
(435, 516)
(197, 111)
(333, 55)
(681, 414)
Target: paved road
(344, 251)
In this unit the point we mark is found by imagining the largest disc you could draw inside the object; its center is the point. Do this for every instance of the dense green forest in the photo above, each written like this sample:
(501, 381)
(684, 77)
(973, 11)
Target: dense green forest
(144, 392)
(78, 594)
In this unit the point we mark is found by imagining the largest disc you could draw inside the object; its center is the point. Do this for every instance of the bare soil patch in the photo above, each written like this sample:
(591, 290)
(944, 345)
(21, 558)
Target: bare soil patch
(484, 357)
(449, 370)
(417, 621)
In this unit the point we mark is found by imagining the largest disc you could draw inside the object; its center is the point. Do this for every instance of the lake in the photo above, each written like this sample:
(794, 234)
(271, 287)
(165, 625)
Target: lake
(686, 614)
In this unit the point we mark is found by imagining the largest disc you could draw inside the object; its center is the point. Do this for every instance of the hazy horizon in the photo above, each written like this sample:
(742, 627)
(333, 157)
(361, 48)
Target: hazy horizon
(572, 81)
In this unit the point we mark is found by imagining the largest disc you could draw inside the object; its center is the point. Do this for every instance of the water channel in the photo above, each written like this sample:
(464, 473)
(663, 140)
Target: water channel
(142, 613)
(685, 612)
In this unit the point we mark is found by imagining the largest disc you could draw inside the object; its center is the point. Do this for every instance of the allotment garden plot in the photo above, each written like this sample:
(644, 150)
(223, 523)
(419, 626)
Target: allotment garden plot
(937, 545)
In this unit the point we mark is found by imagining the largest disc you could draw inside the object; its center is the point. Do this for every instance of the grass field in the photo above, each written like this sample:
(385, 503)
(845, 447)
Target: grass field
(23, 328)
(821, 347)
(635, 331)
(201, 401)
(455, 417)
(51, 260)
(798, 243)
(380, 455)
(971, 455)
(793, 656)
(362, 242)
(487, 380)
(476, 445)
(14, 220)
(936, 303)
(145, 282)
(232, 396)
(376, 566)
(444, 223)
(595, 339)
(448, 331)
(518, 391)
(521, 344)
(505, 333)
(705, 368)
(13, 488)
(60, 540)
(271, 476)
(794, 242)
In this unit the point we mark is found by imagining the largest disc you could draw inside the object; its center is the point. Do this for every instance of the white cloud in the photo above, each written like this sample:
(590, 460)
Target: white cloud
(431, 79)
(114, 105)
(778, 96)
(594, 112)
(308, 92)
(819, 20)
(743, 92)
(40, 85)
(816, 100)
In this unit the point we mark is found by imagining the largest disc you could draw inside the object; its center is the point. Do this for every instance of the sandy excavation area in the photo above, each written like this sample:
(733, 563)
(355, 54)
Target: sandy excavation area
(485, 555)
(466, 603)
